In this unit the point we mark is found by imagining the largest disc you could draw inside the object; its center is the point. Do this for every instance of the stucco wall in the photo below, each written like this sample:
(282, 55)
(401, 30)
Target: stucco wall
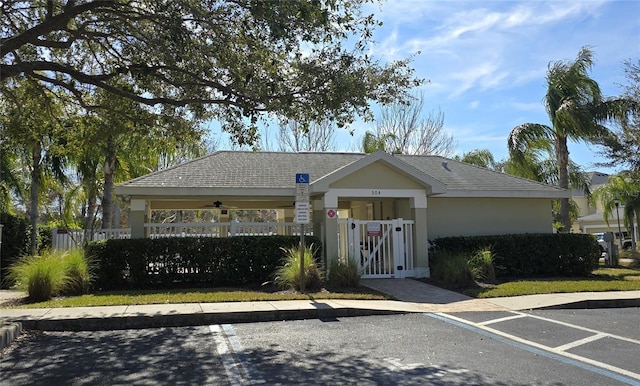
(487, 216)
(376, 176)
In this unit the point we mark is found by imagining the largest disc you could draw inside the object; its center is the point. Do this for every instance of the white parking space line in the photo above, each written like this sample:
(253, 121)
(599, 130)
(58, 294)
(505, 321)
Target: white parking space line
(585, 329)
(601, 368)
(238, 370)
(580, 342)
(236, 346)
(518, 316)
(231, 368)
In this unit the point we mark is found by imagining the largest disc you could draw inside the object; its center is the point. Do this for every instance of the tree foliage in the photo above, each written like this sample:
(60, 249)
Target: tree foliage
(403, 128)
(230, 60)
(316, 136)
(625, 192)
(623, 147)
(577, 110)
(32, 123)
(479, 157)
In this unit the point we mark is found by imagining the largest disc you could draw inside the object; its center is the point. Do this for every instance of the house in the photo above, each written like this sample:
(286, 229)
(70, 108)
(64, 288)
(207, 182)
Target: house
(378, 208)
(591, 218)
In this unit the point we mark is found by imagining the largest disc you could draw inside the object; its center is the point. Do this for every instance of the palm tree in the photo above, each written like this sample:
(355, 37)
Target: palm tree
(479, 157)
(625, 191)
(32, 126)
(372, 142)
(577, 111)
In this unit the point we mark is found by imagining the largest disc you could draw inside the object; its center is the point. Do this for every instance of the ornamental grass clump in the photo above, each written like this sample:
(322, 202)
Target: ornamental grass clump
(289, 275)
(79, 272)
(51, 274)
(451, 268)
(344, 273)
(482, 265)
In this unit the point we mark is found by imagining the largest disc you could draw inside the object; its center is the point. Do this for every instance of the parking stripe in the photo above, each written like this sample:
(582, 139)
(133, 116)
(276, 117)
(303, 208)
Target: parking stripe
(580, 342)
(231, 367)
(603, 369)
(506, 318)
(244, 362)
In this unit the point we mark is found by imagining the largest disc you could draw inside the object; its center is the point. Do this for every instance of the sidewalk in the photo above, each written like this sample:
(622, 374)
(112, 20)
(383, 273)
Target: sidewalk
(412, 297)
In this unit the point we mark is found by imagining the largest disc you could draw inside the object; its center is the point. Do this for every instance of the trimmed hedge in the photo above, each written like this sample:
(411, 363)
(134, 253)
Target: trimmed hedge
(531, 255)
(16, 234)
(190, 261)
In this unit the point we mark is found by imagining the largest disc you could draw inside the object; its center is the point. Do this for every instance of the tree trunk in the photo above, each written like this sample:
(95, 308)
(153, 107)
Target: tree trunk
(109, 171)
(90, 215)
(562, 156)
(36, 158)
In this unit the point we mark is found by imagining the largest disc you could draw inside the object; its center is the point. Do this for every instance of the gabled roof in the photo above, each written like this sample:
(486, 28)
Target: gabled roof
(434, 186)
(266, 172)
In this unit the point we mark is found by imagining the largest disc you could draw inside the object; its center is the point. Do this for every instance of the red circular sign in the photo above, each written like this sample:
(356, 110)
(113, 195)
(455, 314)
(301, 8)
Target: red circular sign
(331, 213)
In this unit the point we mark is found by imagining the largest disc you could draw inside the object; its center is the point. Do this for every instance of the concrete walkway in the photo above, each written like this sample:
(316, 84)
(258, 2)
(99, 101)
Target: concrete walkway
(411, 296)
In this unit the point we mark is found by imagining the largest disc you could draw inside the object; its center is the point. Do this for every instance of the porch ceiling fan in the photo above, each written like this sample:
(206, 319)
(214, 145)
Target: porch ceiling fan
(219, 205)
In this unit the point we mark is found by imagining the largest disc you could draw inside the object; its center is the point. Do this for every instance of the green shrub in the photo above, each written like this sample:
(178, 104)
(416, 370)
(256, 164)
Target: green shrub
(15, 243)
(450, 268)
(482, 265)
(289, 274)
(344, 273)
(531, 255)
(190, 261)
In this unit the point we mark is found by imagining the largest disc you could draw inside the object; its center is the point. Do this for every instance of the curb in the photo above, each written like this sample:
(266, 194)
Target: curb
(199, 319)
(9, 332)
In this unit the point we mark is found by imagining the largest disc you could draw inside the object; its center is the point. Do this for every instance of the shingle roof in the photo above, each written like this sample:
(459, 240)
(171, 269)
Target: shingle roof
(244, 169)
(460, 176)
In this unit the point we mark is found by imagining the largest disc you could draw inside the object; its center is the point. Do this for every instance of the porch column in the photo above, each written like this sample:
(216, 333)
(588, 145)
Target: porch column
(421, 255)
(223, 217)
(285, 215)
(330, 242)
(138, 216)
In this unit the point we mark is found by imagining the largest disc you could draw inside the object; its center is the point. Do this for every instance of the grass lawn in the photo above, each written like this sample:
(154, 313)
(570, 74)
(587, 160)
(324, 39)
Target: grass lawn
(603, 279)
(197, 295)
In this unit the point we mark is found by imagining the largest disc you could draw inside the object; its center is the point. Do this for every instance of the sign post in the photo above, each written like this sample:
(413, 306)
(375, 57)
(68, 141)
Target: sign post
(302, 217)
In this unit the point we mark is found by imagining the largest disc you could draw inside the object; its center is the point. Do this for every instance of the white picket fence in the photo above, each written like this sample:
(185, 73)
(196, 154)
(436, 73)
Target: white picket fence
(64, 239)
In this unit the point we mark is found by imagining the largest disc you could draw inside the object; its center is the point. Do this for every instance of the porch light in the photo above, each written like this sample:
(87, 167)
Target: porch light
(217, 204)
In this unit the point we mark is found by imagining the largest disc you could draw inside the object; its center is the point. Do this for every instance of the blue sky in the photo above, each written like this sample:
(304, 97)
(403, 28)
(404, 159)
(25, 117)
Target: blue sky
(486, 60)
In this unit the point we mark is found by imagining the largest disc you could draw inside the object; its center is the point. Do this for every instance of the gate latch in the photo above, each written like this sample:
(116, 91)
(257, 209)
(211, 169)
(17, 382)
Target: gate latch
(398, 229)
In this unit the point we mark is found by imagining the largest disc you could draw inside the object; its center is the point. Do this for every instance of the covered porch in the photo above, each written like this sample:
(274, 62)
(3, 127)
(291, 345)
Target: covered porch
(373, 189)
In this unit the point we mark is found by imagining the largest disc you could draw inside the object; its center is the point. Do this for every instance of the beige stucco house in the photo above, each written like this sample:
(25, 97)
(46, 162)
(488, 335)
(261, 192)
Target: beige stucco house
(378, 208)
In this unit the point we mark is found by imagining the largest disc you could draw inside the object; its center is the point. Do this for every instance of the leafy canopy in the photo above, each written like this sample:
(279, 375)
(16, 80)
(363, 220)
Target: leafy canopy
(231, 60)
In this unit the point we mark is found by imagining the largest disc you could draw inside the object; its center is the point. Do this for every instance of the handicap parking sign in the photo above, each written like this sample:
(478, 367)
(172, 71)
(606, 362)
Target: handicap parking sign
(302, 178)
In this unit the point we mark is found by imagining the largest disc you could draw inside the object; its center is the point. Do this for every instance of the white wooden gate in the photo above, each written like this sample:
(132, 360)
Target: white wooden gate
(382, 249)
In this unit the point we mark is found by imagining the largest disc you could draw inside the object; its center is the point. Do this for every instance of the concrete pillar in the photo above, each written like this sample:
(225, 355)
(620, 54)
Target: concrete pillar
(285, 215)
(139, 215)
(420, 238)
(223, 217)
(327, 206)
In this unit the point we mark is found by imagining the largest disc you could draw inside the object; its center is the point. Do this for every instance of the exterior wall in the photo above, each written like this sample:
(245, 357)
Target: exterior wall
(376, 176)
(487, 216)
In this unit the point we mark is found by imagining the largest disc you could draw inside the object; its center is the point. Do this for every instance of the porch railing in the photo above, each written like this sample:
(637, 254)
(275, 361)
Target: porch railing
(69, 239)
